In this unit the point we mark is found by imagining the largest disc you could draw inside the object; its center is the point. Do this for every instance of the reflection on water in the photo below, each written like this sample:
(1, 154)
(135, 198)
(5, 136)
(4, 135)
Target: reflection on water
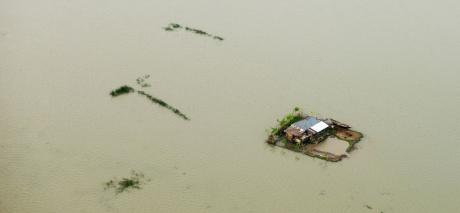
(390, 68)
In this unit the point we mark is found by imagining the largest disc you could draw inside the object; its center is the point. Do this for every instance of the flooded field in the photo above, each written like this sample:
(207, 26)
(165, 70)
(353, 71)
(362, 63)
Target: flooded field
(390, 69)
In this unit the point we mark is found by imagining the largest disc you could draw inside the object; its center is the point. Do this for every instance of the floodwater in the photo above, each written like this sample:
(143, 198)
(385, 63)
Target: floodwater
(334, 146)
(388, 68)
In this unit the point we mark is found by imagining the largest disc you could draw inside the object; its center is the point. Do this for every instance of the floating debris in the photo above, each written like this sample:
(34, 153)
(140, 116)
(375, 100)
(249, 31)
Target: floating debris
(141, 81)
(304, 133)
(121, 90)
(163, 104)
(125, 184)
(176, 27)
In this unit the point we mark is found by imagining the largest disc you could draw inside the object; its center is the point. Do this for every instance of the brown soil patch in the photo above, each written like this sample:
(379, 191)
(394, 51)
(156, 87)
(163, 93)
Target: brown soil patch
(348, 135)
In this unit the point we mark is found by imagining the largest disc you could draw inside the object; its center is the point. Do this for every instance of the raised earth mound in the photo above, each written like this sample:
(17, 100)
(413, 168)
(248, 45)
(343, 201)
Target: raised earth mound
(326, 139)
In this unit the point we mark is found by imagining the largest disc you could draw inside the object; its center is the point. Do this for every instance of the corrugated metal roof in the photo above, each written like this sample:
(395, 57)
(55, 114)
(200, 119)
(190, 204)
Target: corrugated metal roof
(319, 126)
(306, 123)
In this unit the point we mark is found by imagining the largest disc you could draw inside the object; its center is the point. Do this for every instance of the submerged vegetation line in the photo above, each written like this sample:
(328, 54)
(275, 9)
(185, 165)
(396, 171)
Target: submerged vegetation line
(141, 81)
(163, 104)
(175, 27)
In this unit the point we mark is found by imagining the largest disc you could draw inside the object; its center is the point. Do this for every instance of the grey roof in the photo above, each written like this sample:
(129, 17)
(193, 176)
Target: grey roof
(305, 123)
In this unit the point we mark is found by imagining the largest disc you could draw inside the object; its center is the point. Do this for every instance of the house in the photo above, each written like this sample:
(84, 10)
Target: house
(308, 130)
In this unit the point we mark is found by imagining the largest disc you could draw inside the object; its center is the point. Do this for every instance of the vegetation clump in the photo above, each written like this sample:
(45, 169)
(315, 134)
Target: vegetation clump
(125, 184)
(121, 90)
(176, 27)
(172, 27)
(286, 121)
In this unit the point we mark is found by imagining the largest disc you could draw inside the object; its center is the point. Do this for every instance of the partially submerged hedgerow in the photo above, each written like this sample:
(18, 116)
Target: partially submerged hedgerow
(141, 81)
(163, 104)
(176, 27)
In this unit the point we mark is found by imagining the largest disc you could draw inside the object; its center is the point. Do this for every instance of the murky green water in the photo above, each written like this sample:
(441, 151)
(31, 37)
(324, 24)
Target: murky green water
(388, 68)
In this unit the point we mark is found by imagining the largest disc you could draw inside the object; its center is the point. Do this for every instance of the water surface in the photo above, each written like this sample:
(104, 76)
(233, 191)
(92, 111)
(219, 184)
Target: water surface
(389, 69)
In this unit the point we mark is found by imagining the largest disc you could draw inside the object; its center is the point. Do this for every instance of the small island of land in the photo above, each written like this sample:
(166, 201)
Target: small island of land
(326, 139)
